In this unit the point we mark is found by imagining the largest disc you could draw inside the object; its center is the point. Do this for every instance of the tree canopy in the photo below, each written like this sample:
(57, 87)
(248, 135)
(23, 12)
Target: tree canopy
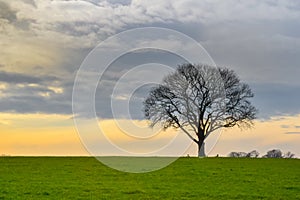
(200, 99)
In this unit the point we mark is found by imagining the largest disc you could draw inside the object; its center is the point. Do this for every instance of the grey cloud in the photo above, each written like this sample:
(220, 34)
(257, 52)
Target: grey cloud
(113, 2)
(33, 104)
(24, 24)
(99, 19)
(6, 12)
(35, 94)
(221, 27)
(30, 2)
(276, 99)
(10, 77)
(111, 76)
(262, 45)
(18, 78)
(77, 28)
(257, 54)
(120, 67)
(265, 55)
(292, 132)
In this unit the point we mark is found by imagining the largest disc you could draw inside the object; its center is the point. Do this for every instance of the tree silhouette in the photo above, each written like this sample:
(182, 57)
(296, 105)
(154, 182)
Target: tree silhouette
(200, 99)
(251, 154)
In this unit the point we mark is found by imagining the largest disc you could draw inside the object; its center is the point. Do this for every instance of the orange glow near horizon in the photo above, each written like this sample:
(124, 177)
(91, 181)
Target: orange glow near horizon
(43, 134)
(39, 134)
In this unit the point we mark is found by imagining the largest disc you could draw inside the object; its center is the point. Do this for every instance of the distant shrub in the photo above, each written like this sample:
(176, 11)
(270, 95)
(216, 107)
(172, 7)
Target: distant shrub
(289, 155)
(238, 154)
(253, 154)
(275, 153)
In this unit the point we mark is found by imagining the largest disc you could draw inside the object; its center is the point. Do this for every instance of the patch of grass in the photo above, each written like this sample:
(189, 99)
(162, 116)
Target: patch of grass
(187, 178)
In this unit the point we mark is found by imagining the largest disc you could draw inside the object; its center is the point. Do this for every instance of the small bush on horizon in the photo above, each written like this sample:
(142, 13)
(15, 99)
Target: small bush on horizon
(275, 153)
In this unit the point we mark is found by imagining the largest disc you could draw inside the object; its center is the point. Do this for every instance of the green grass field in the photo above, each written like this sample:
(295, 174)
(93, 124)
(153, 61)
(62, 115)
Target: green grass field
(187, 178)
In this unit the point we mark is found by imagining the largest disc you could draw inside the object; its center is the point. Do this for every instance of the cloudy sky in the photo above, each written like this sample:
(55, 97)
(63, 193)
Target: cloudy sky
(44, 42)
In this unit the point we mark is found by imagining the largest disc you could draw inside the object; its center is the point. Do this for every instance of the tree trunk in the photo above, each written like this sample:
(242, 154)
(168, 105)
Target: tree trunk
(201, 143)
(201, 149)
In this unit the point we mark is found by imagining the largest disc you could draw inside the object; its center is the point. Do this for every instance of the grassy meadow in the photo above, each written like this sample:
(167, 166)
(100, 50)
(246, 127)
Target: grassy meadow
(187, 178)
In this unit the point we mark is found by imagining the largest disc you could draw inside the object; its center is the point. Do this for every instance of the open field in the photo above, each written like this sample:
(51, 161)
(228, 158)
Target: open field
(187, 178)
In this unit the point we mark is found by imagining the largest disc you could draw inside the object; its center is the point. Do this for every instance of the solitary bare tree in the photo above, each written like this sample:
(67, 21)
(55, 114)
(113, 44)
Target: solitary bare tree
(200, 99)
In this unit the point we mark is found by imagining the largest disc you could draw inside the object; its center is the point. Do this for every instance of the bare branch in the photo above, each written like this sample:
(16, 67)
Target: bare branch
(200, 99)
